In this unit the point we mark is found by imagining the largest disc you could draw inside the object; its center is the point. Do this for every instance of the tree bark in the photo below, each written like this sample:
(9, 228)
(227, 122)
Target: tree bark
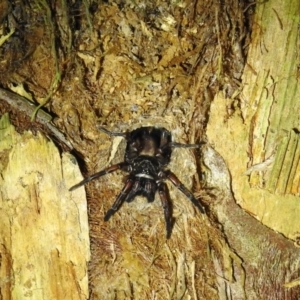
(44, 241)
(156, 64)
(259, 143)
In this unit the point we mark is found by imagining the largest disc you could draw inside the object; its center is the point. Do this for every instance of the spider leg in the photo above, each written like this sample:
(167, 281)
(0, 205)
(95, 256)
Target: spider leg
(120, 199)
(111, 133)
(179, 145)
(121, 166)
(166, 204)
(184, 190)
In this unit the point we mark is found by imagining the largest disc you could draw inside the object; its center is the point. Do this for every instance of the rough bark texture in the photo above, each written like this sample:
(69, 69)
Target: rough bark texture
(44, 241)
(127, 64)
(259, 142)
(263, 133)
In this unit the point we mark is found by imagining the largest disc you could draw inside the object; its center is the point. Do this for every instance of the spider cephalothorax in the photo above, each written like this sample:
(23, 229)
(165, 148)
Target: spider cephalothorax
(147, 154)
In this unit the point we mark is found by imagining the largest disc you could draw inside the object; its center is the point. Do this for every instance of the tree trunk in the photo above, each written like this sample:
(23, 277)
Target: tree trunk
(44, 242)
(259, 143)
(193, 68)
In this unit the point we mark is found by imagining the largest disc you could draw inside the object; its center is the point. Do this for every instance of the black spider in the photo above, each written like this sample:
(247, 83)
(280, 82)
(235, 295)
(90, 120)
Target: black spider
(148, 152)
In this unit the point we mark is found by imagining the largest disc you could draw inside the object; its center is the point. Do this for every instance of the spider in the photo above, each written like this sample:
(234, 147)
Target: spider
(147, 154)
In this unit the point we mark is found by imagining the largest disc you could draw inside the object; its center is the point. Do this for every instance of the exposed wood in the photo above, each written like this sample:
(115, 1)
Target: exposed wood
(44, 241)
(260, 142)
(127, 64)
